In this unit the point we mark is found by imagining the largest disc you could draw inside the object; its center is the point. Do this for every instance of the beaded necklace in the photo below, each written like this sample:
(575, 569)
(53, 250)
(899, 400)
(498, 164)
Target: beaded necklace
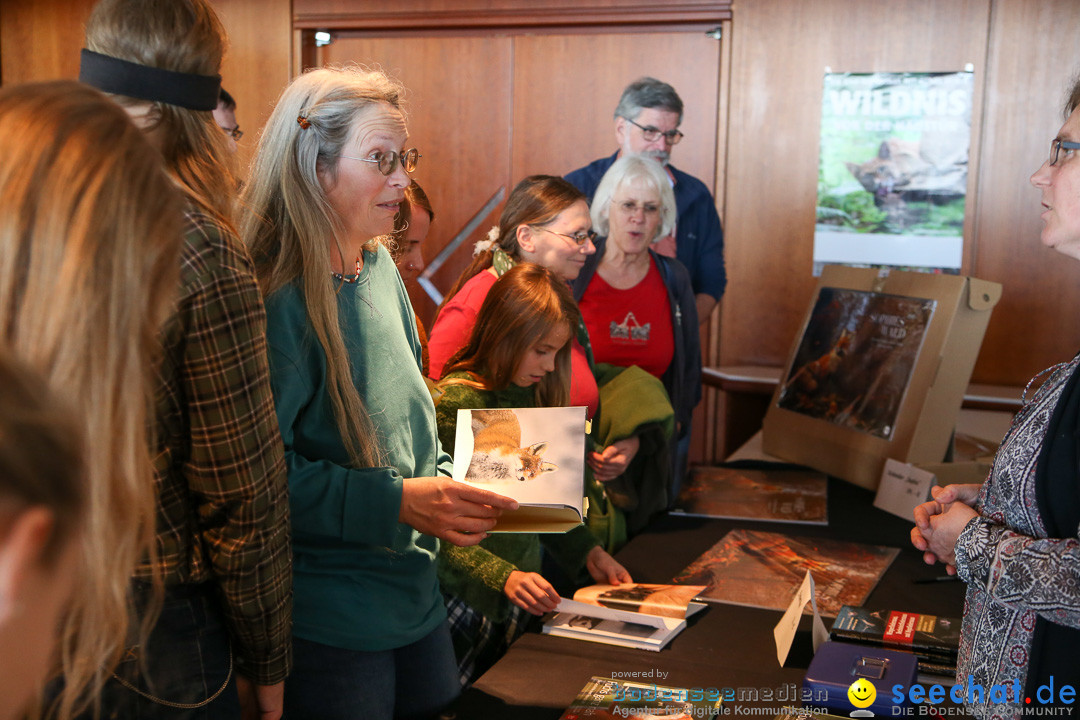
(354, 278)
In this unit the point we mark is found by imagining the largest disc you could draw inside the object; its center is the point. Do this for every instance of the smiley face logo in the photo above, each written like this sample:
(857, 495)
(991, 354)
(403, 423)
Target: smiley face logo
(862, 693)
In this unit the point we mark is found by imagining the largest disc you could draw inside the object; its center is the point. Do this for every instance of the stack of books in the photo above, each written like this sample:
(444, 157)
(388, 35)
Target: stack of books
(934, 640)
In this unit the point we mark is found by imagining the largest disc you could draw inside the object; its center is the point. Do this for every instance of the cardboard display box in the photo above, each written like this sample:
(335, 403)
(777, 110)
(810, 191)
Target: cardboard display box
(878, 371)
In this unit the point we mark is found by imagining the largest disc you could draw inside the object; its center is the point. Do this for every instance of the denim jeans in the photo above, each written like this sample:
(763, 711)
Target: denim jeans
(329, 683)
(185, 661)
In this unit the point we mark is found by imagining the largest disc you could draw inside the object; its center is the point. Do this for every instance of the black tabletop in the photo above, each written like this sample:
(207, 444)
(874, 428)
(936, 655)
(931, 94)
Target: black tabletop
(725, 646)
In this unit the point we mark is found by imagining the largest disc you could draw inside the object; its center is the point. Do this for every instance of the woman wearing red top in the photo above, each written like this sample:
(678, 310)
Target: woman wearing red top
(545, 221)
(637, 305)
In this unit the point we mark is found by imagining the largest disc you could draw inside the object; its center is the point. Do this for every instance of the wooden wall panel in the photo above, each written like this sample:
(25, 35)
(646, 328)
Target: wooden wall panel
(460, 121)
(568, 87)
(257, 65)
(1033, 58)
(41, 40)
(780, 51)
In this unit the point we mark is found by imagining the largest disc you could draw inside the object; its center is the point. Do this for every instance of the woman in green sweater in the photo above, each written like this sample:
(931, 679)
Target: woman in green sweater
(368, 486)
(518, 356)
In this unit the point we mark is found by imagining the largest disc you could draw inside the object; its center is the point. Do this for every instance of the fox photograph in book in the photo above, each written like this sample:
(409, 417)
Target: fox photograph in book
(531, 454)
(498, 455)
(855, 359)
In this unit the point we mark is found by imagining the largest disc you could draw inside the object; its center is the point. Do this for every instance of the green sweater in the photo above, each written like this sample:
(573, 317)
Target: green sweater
(477, 574)
(362, 580)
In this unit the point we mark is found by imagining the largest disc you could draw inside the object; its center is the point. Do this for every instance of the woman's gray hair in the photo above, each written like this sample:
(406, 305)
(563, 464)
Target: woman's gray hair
(1074, 97)
(624, 171)
(645, 93)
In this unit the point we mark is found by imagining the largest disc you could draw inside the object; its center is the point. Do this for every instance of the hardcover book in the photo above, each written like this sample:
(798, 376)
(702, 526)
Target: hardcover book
(878, 370)
(796, 496)
(534, 455)
(637, 615)
(854, 362)
(935, 640)
(765, 569)
(608, 699)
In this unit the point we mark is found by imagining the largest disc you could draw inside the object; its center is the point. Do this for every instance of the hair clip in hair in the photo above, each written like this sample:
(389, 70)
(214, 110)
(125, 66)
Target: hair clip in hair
(303, 121)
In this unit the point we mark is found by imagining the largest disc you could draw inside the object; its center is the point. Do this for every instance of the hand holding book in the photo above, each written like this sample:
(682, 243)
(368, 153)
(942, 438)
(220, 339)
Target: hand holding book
(451, 511)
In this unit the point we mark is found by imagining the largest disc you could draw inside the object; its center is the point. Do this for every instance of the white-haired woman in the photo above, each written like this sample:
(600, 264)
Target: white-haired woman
(638, 305)
(368, 484)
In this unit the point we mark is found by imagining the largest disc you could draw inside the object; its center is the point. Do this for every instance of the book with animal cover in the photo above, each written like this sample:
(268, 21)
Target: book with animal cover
(854, 362)
(534, 455)
(611, 698)
(773, 495)
(637, 615)
(935, 640)
(765, 569)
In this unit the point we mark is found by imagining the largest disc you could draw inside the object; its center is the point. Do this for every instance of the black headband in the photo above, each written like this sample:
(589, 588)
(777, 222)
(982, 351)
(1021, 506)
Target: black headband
(120, 77)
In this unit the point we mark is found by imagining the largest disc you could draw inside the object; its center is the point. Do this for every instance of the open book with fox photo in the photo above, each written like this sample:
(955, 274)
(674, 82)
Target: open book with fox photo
(855, 359)
(637, 615)
(534, 455)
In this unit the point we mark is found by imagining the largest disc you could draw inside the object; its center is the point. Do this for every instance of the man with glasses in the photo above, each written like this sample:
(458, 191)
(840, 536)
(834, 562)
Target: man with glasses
(225, 117)
(647, 122)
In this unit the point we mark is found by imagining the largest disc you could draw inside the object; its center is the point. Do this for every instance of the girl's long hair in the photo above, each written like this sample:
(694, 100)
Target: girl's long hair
(183, 36)
(522, 307)
(536, 200)
(290, 227)
(90, 235)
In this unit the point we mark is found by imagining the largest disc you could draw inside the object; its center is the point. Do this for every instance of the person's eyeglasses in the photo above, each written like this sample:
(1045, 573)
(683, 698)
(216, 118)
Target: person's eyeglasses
(652, 134)
(1057, 145)
(579, 239)
(235, 133)
(630, 208)
(387, 162)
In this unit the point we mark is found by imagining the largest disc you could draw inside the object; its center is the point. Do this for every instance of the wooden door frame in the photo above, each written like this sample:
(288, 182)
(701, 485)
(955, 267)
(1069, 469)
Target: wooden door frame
(488, 14)
(420, 18)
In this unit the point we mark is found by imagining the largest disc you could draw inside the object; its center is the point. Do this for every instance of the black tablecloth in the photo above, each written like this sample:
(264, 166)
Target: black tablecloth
(725, 646)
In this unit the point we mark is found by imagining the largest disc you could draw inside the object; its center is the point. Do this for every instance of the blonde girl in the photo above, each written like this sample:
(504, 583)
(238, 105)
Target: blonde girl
(518, 355)
(89, 247)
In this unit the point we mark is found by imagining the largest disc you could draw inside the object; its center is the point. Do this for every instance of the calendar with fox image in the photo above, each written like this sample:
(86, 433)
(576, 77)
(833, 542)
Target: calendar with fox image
(534, 455)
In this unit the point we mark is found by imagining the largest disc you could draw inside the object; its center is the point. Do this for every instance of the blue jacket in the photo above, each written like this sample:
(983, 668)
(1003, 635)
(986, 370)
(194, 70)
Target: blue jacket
(682, 380)
(699, 239)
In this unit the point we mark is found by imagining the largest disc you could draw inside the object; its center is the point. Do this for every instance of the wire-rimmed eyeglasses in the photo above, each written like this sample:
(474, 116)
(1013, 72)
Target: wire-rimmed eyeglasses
(387, 162)
(652, 134)
(1056, 146)
(235, 133)
(580, 239)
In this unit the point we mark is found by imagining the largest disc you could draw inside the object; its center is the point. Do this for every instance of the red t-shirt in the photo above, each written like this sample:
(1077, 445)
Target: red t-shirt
(455, 323)
(632, 326)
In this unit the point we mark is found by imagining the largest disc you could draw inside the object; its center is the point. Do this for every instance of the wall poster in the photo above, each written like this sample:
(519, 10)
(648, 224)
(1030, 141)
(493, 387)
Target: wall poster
(892, 176)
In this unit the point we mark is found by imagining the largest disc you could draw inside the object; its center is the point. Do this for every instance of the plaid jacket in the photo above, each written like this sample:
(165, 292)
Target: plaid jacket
(222, 495)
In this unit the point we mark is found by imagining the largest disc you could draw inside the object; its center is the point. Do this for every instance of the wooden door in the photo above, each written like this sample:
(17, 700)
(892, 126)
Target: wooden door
(488, 109)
